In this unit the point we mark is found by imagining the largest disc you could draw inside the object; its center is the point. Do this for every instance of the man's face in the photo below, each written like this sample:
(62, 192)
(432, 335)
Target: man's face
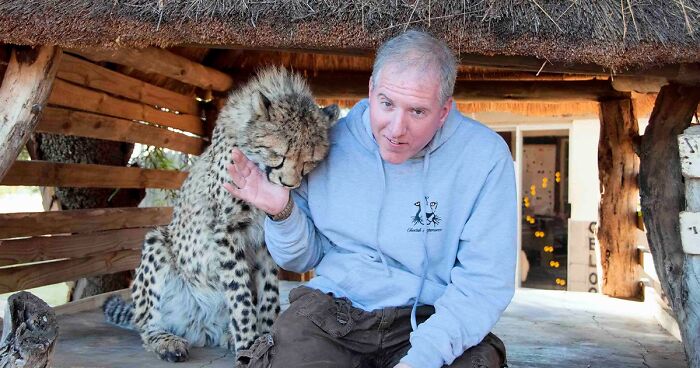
(405, 111)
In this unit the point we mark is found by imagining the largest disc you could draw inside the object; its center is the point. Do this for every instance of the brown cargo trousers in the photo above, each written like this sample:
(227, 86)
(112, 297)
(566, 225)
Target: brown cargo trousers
(318, 331)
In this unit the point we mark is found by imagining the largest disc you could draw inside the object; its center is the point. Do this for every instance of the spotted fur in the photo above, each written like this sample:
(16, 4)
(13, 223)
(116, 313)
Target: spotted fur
(207, 278)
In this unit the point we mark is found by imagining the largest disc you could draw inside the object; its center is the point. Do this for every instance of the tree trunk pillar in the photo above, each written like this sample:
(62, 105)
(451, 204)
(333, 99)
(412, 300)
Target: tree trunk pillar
(663, 198)
(618, 167)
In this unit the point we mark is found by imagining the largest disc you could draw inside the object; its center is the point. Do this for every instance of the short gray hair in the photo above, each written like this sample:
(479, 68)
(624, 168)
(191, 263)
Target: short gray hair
(416, 48)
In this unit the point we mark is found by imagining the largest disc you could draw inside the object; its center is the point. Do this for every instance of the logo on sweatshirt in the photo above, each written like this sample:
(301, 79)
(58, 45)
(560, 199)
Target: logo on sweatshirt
(425, 216)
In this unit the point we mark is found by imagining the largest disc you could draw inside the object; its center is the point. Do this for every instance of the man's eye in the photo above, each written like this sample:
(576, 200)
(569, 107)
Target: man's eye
(276, 159)
(419, 112)
(385, 103)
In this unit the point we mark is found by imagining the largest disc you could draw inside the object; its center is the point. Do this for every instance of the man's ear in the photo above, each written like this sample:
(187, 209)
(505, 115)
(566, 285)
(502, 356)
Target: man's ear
(445, 109)
(261, 104)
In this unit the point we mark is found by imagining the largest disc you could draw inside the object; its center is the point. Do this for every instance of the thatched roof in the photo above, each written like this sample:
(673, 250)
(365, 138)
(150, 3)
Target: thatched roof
(612, 33)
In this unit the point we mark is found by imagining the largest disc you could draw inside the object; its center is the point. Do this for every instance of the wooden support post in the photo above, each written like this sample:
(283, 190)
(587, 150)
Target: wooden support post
(618, 166)
(663, 198)
(24, 91)
(29, 332)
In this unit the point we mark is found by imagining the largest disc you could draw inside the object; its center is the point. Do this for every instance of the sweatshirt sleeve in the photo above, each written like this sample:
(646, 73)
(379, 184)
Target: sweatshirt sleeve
(482, 280)
(294, 243)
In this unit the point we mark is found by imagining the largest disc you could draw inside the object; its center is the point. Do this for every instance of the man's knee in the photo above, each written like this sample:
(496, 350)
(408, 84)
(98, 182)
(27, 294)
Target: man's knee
(489, 353)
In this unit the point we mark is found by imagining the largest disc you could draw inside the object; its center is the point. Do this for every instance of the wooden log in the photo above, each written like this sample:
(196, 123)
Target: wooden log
(34, 275)
(159, 61)
(355, 85)
(87, 74)
(25, 88)
(53, 174)
(84, 124)
(69, 95)
(46, 248)
(663, 198)
(14, 225)
(618, 167)
(593, 90)
(29, 333)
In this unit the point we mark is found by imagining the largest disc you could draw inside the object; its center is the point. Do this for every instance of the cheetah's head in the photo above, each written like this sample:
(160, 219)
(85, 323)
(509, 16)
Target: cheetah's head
(286, 132)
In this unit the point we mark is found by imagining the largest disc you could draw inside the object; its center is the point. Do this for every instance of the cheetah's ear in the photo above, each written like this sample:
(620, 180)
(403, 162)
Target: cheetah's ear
(261, 104)
(331, 112)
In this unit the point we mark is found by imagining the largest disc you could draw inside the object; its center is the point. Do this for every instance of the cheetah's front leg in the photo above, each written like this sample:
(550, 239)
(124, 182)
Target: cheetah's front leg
(268, 305)
(235, 275)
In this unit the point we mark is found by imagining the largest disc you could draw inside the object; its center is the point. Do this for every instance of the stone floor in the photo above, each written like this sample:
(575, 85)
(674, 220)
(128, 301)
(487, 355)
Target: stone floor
(540, 328)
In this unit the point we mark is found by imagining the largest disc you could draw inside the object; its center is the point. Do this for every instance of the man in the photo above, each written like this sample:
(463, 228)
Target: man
(409, 223)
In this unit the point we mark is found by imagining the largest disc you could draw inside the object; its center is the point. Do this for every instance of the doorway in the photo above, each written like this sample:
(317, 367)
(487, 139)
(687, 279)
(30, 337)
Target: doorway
(544, 211)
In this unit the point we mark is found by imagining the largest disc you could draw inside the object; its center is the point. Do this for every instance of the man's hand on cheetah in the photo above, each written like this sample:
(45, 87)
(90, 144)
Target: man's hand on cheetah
(251, 185)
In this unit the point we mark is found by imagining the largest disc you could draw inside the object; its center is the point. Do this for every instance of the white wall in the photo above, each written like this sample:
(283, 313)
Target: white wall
(584, 186)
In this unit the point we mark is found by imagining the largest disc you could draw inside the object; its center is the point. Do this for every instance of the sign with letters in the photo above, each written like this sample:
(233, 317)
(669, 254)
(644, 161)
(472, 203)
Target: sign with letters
(583, 260)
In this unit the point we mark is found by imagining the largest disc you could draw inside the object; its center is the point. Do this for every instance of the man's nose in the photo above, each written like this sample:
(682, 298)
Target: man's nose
(397, 126)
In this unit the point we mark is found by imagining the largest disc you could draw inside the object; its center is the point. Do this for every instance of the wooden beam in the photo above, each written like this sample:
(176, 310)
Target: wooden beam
(87, 74)
(355, 85)
(30, 276)
(159, 61)
(54, 174)
(25, 88)
(593, 90)
(13, 225)
(638, 84)
(85, 124)
(46, 248)
(687, 73)
(663, 198)
(69, 95)
(618, 167)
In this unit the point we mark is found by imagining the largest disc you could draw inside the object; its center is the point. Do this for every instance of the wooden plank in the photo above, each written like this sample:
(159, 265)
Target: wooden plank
(25, 87)
(54, 174)
(87, 74)
(66, 94)
(69, 122)
(14, 225)
(91, 302)
(159, 61)
(30, 276)
(46, 248)
(618, 167)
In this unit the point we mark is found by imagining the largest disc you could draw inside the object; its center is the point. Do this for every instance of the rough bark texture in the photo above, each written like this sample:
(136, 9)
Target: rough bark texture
(29, 332)
(663, 197)
(69, 149)
(618, 166)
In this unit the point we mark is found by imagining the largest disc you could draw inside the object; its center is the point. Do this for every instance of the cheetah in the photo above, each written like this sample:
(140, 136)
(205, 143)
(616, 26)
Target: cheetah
(207, 279)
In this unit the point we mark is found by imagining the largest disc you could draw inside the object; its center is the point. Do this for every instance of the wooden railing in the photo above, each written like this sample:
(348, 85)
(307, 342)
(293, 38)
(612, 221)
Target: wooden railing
(89, 100)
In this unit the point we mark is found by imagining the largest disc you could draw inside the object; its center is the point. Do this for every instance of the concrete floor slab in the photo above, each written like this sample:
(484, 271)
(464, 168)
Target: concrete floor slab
(541, 329)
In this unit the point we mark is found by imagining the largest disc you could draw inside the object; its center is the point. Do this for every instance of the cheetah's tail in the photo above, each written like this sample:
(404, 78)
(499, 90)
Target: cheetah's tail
(118, 312)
